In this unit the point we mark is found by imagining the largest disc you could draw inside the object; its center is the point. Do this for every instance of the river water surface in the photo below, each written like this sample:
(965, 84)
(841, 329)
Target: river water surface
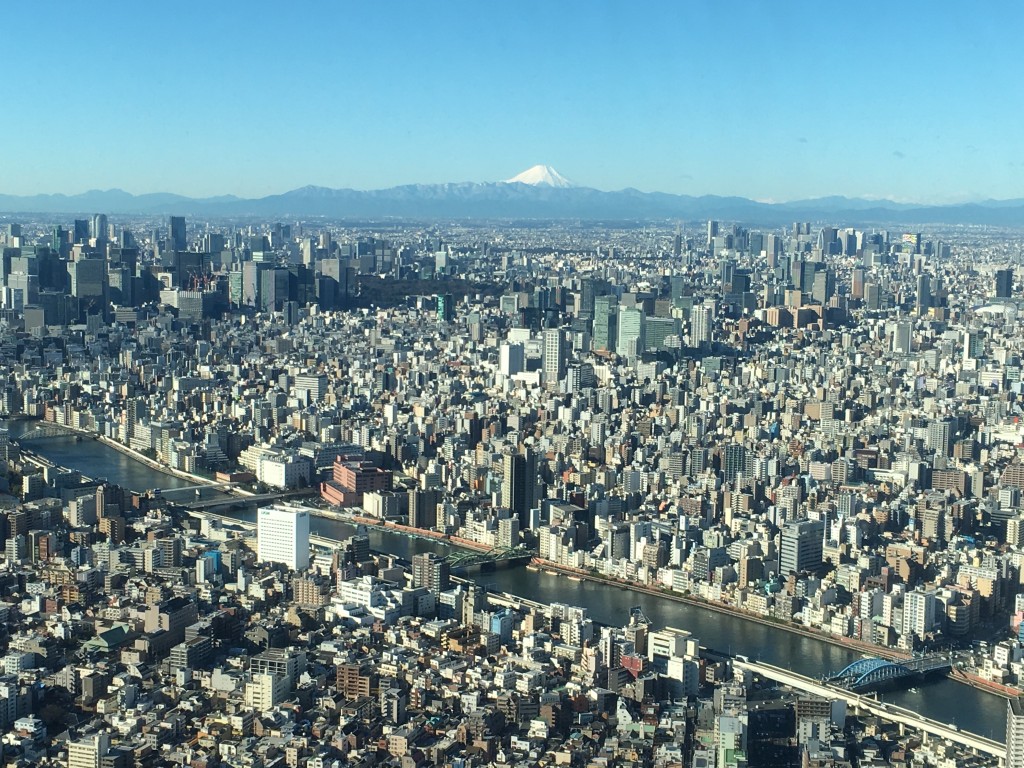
(944, 700)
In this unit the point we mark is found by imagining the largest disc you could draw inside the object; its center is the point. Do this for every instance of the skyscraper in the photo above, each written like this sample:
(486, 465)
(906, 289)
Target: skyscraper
(517, 485)
(282, 536)
(554, 356)
(98, 228)
(177, 240)
(1004, 283)
(81, 233)
(630, 341)
(701, 323)
(712, 231)
(445, 307)
(924, 294)
(606, 323)
(824, 286)
(902, 337)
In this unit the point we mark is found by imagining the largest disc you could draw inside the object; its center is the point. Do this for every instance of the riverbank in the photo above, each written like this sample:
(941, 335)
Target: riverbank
(122, 448)
(151, 463)
(990, 686)
(579, 573)
(419, 533)
(840, 642)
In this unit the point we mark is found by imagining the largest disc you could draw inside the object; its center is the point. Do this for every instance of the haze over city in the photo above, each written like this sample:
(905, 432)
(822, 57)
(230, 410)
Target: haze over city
(905, 101)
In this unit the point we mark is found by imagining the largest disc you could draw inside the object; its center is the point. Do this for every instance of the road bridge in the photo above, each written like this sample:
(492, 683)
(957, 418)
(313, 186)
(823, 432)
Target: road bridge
(48, 430)
(467, 559)
(860, 703)
(257, 499)
(864, 674)
(200, 486)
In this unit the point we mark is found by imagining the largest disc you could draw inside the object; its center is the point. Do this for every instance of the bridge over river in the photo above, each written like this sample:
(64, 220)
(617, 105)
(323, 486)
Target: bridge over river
(904, 718)
(865, 674)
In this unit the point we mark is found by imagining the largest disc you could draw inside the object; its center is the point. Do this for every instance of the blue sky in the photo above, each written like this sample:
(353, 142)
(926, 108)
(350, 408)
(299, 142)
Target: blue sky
(912, 101)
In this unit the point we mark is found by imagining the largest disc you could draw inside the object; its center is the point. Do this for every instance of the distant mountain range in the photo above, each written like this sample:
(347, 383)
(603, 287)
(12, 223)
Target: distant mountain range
(538, 193)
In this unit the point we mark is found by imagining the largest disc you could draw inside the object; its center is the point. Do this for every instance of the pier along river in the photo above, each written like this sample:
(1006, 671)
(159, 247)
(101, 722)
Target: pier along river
(943, 700)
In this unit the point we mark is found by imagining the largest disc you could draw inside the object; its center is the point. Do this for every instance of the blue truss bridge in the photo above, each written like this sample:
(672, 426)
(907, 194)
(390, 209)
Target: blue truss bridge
(868, 673)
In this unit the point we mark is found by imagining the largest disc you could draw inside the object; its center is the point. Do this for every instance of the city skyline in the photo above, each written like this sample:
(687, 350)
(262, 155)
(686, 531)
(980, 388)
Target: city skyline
(775, 105)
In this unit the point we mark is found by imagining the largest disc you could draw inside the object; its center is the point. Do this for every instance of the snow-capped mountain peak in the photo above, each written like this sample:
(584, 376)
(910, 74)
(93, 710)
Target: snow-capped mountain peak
(541, 176)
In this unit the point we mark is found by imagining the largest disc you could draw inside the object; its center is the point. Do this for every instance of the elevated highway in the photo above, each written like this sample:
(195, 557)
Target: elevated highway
(905, 718)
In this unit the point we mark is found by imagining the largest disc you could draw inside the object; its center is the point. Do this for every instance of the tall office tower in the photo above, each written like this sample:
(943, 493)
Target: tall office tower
(728, 269)
(805, 271)
(824, 286)
(88, 278)
(98, 228)
(872, 296)
(677, 245)
(902, 337)
(606, 323)
(588, 287)
(677, 285)
(1004, 283)
(657, 330)
(734, 461)
(857, 284)
(177, 239)
(512, 359)
(630, 341)
(800, 547)
(826, 237)
(554, 356)
(974, 345)
(518, 484)
(924, 294)
(445, 304)
(701, 324)
(81, 233)
(1015, 732)
(712, 231)
(432, 571)
(282, 536)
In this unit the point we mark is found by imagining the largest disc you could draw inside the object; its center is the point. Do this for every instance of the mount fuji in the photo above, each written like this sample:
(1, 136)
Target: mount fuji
(541, 176)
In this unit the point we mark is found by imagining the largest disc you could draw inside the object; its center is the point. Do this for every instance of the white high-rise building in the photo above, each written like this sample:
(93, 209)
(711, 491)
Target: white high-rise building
(554, 356)
(282, 535)
(919, 612)
(631, 340)
(1015, 732)
(702, 319)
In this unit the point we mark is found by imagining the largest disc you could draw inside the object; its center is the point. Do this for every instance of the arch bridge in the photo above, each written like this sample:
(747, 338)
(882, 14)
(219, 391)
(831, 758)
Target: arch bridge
(469, 559)
(46, 430)
(866, 673)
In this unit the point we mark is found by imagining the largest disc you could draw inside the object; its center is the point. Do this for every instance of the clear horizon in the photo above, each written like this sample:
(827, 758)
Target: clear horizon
(909, 102)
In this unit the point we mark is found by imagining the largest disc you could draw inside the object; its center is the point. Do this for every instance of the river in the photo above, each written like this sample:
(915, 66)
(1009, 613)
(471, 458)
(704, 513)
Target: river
(944, 700)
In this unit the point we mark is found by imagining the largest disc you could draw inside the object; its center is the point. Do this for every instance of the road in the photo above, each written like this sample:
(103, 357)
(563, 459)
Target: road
(857, 702)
